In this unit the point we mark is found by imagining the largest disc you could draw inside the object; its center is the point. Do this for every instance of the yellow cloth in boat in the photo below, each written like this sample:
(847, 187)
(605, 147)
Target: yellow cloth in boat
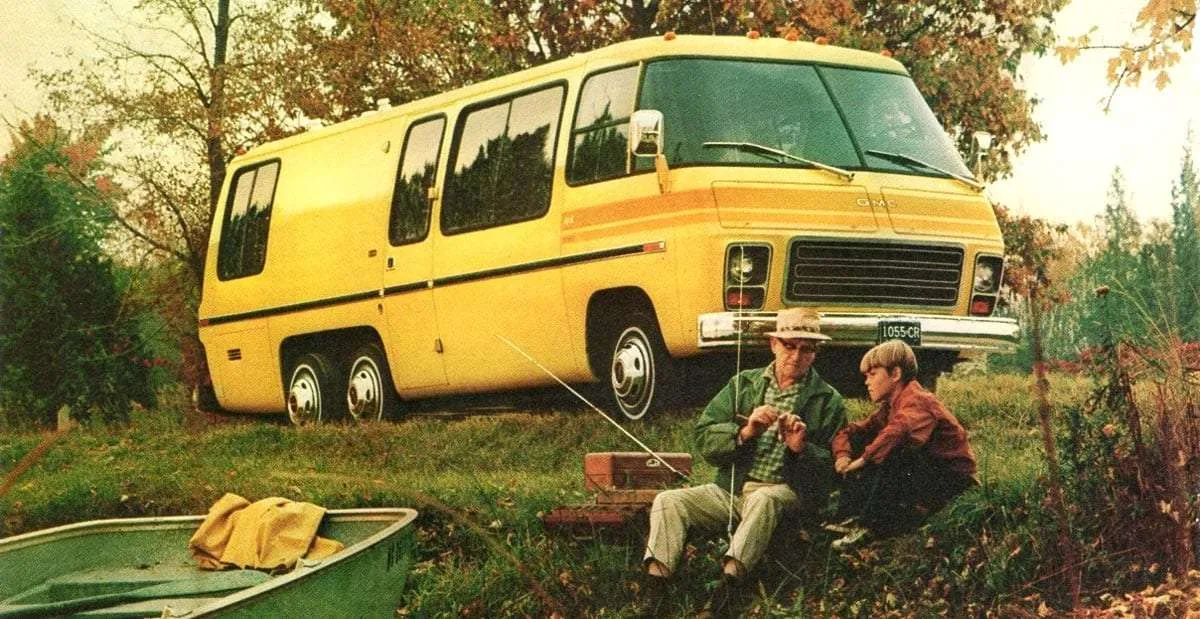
(269, 534)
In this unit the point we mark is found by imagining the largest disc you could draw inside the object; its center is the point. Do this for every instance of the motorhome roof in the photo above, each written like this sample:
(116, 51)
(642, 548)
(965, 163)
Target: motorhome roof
(616, 54)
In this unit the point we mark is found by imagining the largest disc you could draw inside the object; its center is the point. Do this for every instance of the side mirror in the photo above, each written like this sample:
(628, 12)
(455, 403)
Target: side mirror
(646, 133)
(983, 143)
(983, 140)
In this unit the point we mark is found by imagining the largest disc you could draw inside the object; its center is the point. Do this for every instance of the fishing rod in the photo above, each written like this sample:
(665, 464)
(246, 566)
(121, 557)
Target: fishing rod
(593, 407)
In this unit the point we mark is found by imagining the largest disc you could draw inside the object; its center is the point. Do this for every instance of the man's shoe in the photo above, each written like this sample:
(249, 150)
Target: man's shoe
(651, 594)
(842, 527)
(851, 538)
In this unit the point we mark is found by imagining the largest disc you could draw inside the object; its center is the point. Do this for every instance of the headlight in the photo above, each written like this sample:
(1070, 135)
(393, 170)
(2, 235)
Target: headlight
(987, 274)
(746, 265)
(741, 269)
(746, 269)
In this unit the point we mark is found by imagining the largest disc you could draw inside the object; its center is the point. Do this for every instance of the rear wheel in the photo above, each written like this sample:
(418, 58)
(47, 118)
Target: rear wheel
(931, 366)
(369, 392)
(639, 367)
(204, 398)
(313, 395)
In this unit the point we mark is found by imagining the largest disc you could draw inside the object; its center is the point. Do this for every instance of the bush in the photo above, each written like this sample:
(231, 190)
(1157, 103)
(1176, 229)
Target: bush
(66, 338)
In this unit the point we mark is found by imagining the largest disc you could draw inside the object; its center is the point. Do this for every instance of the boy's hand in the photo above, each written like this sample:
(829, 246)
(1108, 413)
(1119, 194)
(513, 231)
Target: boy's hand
(854, 466)
(841, 465)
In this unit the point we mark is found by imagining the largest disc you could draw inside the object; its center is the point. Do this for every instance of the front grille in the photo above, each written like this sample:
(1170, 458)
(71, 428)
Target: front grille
(857, 272)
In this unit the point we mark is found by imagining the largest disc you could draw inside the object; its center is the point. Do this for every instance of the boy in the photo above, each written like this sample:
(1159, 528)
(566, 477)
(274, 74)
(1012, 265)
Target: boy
(904, 462)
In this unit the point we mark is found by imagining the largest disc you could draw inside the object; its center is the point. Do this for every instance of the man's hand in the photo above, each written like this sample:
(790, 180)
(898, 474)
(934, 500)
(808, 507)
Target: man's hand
(792, 431)
(758, 422)
(841, 465)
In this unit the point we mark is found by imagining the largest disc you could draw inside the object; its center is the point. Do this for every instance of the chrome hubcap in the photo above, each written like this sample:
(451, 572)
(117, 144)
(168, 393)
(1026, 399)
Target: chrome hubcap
(632, 372)
(363, 394)
(304, 397)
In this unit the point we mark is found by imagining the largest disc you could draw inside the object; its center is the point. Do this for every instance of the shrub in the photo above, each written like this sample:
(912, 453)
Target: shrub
(66, 338)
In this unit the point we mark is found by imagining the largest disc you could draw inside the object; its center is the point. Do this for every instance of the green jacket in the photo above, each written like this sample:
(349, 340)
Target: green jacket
(810, 472)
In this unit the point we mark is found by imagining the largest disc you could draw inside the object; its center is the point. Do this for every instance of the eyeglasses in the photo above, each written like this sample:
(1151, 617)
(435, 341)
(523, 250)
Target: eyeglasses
(804, 348)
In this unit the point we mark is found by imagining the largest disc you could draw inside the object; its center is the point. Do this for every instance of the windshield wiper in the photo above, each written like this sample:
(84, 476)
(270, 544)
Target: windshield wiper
(751, 147)
(909, 159)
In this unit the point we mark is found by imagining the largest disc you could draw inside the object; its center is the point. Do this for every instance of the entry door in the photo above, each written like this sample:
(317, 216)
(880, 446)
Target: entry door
(414, 350)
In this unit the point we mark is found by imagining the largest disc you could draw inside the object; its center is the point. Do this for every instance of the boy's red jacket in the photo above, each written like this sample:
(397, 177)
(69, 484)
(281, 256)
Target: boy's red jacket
(912, 417)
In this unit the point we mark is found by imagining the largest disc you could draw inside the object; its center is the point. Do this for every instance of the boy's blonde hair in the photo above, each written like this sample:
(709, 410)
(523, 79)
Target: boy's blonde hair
(888, 355)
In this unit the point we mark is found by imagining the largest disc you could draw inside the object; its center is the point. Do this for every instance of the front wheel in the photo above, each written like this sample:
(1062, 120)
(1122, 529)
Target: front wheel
(313, 395)
(369, 392)
(639, 368)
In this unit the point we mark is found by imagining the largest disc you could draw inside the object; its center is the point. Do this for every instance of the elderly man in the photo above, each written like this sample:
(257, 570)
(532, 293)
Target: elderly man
(768, 432)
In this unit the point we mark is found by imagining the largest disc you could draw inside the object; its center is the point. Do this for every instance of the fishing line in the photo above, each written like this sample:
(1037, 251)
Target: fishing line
(593, 407)
(737, 388)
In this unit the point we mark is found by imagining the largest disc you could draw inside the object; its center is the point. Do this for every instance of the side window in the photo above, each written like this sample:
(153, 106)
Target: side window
(600, 139)
(502, 162)
(417, 173)
(243, 245)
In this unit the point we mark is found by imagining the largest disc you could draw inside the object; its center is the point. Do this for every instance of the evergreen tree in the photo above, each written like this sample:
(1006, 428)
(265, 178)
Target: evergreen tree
(1122, 231)
(1118, 264)
(1185, 243)
(64, 337)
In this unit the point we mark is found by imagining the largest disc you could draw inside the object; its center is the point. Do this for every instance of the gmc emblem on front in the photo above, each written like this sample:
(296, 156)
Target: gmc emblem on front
(885, 203)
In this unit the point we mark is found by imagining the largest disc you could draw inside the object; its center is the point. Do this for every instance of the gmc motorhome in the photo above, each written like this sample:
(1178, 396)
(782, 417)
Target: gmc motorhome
(610, 214)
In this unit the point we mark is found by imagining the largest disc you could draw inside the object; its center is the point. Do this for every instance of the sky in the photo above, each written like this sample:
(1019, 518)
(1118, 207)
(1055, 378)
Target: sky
(1064, 179)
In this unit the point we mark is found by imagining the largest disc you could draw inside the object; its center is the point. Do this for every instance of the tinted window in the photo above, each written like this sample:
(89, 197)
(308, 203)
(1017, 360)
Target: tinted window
(502, 162)
(888, 115)
(417, 173)
(778, 105)
(243, 246)
(600, 140)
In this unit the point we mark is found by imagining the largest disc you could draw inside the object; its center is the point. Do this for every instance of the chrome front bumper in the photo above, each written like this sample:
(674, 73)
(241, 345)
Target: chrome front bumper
(967, 334)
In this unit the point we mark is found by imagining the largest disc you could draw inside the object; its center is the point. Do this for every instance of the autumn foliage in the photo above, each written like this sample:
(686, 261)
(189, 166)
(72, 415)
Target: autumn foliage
(67, 337)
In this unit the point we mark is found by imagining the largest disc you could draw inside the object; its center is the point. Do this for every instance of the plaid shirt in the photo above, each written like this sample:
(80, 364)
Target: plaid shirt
(769, 450)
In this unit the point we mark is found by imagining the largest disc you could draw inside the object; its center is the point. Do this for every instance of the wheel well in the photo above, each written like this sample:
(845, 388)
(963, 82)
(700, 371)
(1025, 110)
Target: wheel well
(605, 307)
(336, 345)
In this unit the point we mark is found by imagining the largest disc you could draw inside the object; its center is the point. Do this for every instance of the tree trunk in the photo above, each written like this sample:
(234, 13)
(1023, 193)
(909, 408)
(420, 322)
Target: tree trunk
(216, 106)
(643, 14)
(1066, 545)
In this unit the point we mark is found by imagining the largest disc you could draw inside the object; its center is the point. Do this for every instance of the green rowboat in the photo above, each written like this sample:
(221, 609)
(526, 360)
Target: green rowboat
(141, 567)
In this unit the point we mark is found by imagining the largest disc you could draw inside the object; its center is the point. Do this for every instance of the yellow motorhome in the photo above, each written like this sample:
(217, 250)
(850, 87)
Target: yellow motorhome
(608, 215)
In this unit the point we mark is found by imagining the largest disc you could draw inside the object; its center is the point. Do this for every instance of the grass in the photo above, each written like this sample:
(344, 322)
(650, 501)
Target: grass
(481, 483)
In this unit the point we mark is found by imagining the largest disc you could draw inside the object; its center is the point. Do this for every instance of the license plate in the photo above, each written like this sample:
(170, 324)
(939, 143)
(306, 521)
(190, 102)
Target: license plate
(906, 331)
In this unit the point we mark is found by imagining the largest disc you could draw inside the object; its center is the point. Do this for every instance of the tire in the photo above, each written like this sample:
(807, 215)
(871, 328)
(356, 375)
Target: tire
(204, 399)
(639, 367)
(313, 394)
(370, 395)
(930, 368)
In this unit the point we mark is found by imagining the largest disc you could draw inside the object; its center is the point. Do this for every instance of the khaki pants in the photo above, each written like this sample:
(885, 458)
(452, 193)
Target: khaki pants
(755, 514)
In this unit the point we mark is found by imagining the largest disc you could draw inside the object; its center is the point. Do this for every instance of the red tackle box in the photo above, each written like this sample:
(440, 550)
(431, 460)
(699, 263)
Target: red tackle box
(634, 470)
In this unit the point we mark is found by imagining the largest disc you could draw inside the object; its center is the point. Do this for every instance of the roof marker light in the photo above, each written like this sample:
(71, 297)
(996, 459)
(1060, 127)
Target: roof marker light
(887, 53)
(792, 36)
(669, 36)
(753, 34)
(822, 41)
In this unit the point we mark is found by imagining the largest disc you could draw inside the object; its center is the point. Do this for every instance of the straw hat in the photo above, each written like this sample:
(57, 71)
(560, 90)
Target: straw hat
(798, 323)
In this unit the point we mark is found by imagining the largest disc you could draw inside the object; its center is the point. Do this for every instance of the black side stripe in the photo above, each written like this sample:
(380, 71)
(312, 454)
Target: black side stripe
(450, 280)
(284, 309)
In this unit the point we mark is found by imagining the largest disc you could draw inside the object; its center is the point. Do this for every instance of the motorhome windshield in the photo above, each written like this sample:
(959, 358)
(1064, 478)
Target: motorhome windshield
(791, 108)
